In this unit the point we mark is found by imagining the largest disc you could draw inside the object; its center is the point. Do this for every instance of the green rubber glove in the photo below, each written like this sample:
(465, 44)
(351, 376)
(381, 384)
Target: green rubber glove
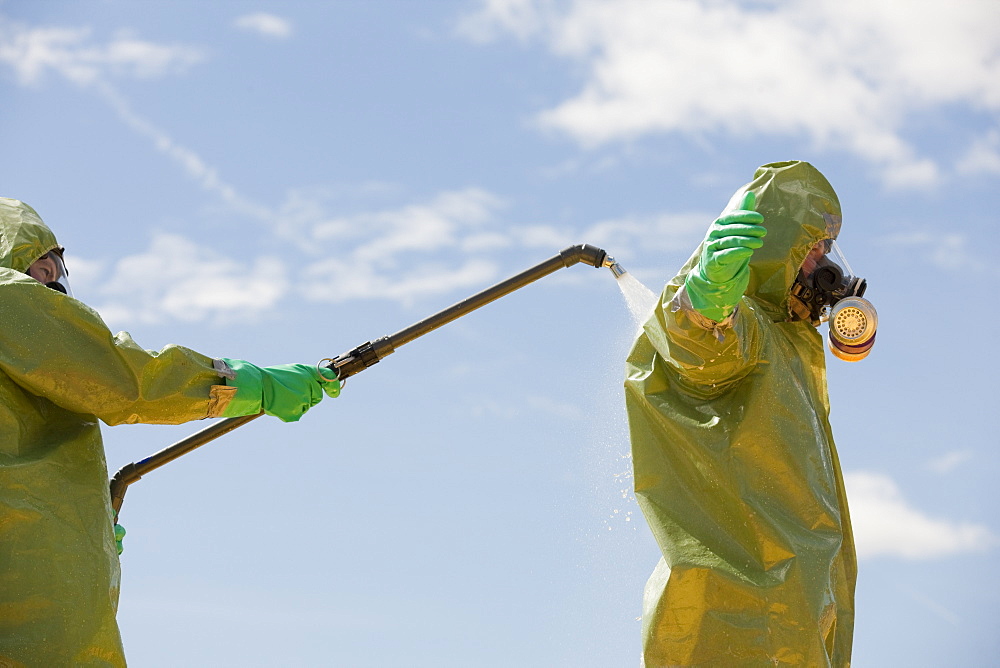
(119, 534)
(119, 537)
(286, 391)
(718, 282)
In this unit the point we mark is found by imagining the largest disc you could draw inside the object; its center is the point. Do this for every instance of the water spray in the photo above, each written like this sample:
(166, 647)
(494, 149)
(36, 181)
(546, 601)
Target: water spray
(370, 353)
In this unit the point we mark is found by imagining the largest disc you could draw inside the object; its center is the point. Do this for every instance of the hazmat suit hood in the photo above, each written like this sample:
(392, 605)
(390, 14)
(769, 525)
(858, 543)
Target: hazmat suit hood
(23, 236)
(800, 208)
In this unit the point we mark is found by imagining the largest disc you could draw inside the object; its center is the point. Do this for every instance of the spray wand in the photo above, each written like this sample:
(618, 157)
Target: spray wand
(368, 354)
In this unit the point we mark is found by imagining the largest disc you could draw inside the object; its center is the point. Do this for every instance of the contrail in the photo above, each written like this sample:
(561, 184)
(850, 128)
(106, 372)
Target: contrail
(190, 162)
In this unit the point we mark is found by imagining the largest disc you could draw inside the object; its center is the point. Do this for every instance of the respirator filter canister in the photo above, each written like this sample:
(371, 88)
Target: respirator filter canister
(853, 323)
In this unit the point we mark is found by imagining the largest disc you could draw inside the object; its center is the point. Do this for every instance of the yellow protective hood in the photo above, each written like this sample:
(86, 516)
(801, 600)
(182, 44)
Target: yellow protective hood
(735, 466)
(23, 236)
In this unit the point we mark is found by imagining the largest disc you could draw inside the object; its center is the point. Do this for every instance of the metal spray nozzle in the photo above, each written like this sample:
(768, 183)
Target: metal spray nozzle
(615, 268)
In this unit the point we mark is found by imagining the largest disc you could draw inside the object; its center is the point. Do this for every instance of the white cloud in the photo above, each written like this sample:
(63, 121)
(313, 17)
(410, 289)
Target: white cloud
(543, 236)
(983, 157)
(952, 252)
(70, 52)
(132, 57)
(950, 461)
(664, 233)
(450, 243)
(265, 25)
(179, 279)
(433, 224)
(485, 241)
(342, 280)
(423, 227)
(945, 250)
(84, 272)
(381, 235)
(396, 253)
(886, 525)
(523, 18)
(400, 253)
(843, 74)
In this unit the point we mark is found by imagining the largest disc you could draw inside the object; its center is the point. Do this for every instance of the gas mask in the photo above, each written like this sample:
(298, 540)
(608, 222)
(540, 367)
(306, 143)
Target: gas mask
(50, 269)
(826, 290)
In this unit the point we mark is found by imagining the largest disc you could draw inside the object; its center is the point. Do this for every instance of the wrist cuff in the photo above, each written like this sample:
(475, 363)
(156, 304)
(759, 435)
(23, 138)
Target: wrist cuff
(248, 382)
(716, 301)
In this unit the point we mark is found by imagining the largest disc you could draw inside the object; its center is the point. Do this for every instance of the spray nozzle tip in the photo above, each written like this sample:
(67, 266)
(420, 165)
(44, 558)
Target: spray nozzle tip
(615, 268)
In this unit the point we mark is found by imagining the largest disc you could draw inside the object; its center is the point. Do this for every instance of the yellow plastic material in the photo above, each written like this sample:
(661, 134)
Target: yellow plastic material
(735, 465)
(61, 370)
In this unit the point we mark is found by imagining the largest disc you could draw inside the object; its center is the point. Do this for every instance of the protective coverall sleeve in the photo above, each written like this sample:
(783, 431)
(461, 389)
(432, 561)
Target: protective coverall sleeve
(706, 356)
(60, 367)
(56, 347)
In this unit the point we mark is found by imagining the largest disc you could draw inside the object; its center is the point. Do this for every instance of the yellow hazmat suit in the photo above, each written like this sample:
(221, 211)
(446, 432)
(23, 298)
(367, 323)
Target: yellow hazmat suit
(61, 370)
(735, 465)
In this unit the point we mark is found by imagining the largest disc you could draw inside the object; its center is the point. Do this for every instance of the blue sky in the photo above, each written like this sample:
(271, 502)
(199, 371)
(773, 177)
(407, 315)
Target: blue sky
(283, 181)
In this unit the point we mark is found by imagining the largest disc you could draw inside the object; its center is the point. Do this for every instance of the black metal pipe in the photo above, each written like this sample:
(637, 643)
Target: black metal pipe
(362, 357)
(372, 352)
(130, 473)
(567, 258)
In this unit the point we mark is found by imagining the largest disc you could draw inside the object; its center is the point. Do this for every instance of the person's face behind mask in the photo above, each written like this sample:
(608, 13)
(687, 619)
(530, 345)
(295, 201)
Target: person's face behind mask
(50, 270)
